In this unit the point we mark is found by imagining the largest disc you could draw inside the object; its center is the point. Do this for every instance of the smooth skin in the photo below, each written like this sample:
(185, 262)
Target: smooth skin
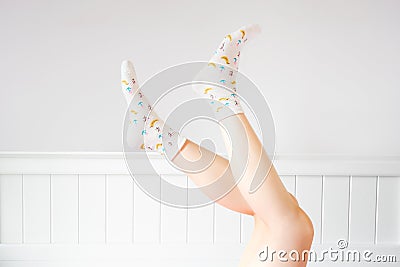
(279, 222)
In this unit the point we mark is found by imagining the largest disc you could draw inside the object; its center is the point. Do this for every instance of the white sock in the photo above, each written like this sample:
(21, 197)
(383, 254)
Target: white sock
(222, 71)
(150, 132)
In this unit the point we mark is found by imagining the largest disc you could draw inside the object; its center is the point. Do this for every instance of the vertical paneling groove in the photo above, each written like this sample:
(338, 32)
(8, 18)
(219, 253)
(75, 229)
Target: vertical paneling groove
(51, 211)
(187, 209)
(160, 214)
(213, 223)
(23, 210)
(240, 228)
(376, 210)
(105, 207)
(133, 210)
(349, 207)
(322, 208)
(77, 209)
(1, 211)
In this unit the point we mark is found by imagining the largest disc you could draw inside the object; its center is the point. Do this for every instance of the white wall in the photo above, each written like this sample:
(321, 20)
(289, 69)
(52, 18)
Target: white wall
(329, 69)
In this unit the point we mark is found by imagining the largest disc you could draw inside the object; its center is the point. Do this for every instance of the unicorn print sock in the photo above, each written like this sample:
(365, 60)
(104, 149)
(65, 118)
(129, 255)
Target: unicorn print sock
(149, 131)
(228, 52)
(222, 72)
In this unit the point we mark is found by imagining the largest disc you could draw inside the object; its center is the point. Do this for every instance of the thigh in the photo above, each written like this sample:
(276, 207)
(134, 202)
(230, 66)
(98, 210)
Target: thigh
(216, 168)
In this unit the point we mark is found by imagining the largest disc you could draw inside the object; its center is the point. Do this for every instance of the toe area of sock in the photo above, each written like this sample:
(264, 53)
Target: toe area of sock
(129, 83)
(251, 30)
(127, 69)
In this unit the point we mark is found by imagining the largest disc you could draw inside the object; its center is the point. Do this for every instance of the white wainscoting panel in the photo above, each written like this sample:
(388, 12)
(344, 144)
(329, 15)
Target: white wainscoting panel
(119, 209)
(363, 209)
(388, 210)
(36, 195)
(64, 208)
(90, 207)
(335, 208)
(11, 205)
(146, 218)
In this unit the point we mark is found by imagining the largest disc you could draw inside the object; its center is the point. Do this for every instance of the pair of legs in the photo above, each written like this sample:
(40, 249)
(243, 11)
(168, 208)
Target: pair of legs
(279, 222)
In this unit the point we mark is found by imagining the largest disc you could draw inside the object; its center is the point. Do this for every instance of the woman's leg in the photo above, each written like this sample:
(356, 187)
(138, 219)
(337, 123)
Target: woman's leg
(279, 222)
(290, 230)
(294, 234)
(217, 168)
(271, 201)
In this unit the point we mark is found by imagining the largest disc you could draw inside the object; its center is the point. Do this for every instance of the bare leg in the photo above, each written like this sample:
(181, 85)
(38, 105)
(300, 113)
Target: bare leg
(290, 229)
(219, 167)
(271, 202)
(279, 221)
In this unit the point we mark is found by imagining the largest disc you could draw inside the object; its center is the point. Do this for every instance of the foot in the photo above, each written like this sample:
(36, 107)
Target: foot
(222, 73)
(149, 131)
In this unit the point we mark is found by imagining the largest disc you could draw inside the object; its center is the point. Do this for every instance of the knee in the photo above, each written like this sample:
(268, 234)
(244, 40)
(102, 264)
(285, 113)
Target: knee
(307, 226)
(298, 227)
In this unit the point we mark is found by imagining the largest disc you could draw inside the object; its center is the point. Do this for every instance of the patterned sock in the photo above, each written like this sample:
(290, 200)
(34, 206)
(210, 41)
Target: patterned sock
(149, 131)
(222, 71)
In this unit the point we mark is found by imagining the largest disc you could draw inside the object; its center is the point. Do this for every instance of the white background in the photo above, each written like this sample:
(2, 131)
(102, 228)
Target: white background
(329, 69)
